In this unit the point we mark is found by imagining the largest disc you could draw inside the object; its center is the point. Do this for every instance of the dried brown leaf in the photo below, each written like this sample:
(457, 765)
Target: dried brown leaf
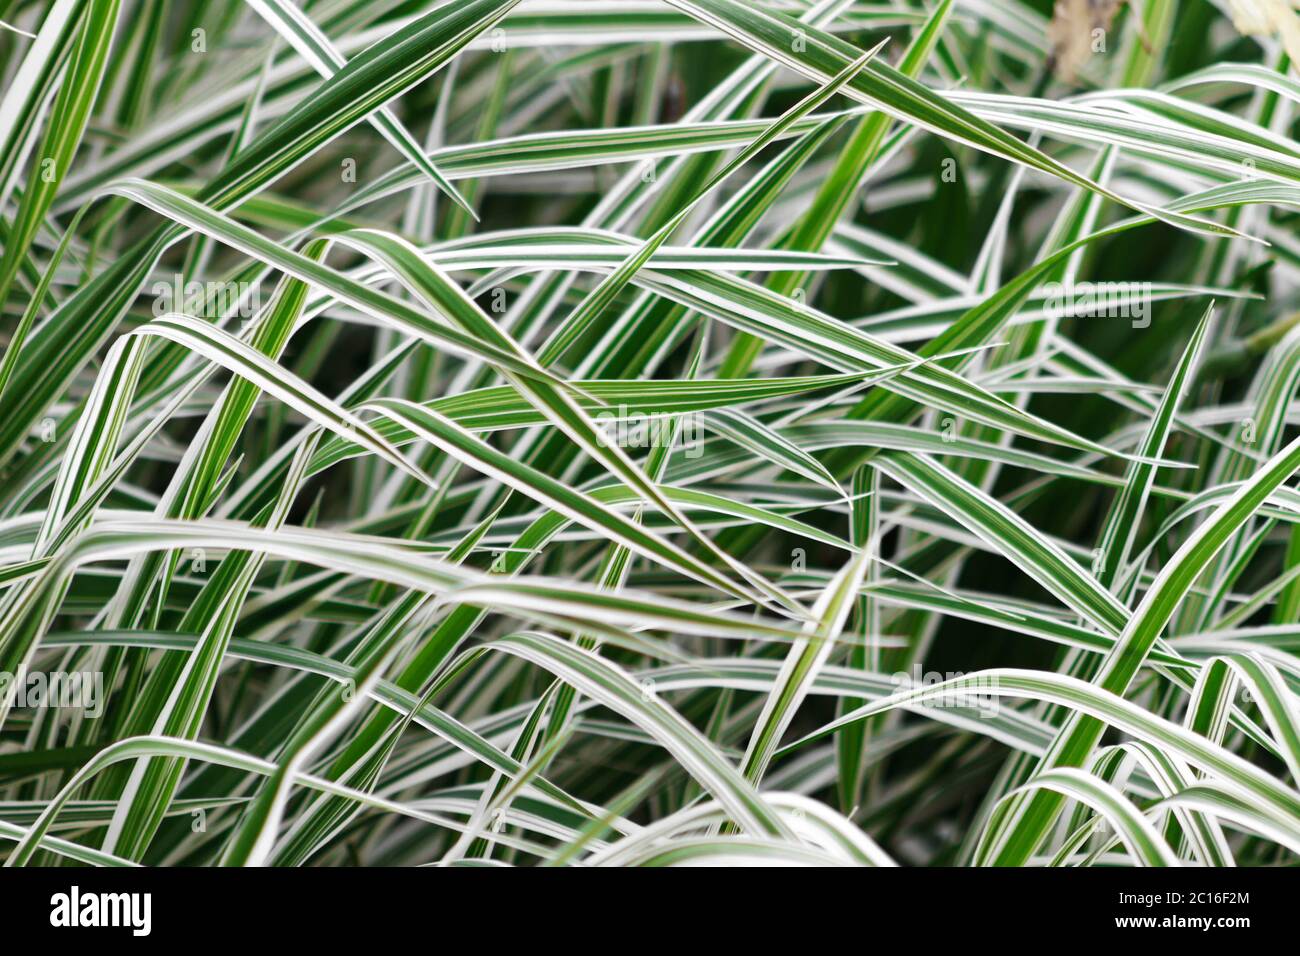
(1078, 29)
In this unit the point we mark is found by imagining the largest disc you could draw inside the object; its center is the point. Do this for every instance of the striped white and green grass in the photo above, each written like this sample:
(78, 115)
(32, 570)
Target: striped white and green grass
(640, 433)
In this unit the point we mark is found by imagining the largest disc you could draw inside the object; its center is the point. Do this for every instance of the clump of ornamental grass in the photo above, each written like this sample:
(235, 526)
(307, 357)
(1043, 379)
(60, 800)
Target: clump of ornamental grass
(559, 433)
